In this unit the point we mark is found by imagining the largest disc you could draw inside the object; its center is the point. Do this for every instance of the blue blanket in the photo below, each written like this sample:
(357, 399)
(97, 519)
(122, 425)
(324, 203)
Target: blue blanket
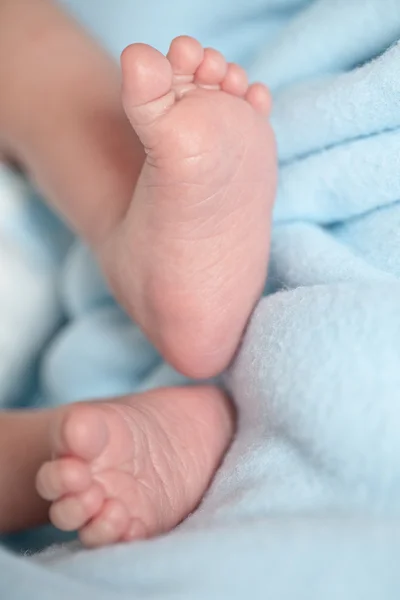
(306, 503)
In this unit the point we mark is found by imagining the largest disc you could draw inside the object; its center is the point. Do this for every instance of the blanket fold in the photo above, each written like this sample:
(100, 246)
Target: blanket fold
(306, 503)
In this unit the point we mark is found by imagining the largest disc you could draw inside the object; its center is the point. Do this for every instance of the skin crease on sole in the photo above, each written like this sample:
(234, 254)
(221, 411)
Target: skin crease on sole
(204, 198)
(135, 467)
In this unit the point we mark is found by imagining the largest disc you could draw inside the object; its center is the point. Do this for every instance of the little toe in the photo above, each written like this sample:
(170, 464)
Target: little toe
(212, 70)
(65, 476)
(108, 527)
(72, 512)
(136, 531)
(185, 55)
(82, 432)
(235, 81)
(259, 97)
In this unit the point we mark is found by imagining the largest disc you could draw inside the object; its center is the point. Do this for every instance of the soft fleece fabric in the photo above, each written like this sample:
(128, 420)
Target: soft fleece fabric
(306, 504)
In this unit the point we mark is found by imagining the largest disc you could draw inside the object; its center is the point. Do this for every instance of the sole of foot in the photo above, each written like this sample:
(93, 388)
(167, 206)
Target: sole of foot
(135, 467)
(204, 198)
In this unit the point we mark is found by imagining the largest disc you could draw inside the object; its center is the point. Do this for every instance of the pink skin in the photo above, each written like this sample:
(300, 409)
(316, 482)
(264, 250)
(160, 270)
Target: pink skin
(204, 199)
(134, 467)
(188, 260)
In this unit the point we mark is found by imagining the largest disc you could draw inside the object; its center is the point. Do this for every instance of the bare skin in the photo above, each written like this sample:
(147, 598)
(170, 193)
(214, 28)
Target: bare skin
(116, 471)
(122, 470)
(210, 222)
(186, 255)
(24, 446)
(204, 199)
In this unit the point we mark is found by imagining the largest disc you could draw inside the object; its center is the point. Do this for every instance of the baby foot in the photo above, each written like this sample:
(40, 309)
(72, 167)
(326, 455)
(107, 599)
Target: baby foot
(191, 255)
(135, 467)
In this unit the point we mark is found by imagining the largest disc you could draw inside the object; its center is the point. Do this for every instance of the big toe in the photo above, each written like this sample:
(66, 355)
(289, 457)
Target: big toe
(146, 87)
(81, 431)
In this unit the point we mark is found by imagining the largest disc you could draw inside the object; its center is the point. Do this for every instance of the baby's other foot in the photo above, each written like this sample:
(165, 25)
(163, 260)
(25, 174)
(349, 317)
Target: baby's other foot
(135, 467)
(190, 258)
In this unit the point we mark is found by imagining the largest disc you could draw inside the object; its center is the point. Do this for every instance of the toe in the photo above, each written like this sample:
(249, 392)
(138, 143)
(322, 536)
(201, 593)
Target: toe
(65, 476)
(147, 74)
(212, 70)
(259, 97)
(72, 512)
(235, 81)
(109, 527)
(81, 432)
(146, 89)
(185, 55)
(136, 531)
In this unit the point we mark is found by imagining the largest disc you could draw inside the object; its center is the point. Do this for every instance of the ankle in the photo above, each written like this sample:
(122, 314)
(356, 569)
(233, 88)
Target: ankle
(25, 446)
